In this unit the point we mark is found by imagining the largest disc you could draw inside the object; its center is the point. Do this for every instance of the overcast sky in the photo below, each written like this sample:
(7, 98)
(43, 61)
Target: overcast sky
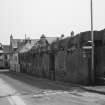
(52, 17)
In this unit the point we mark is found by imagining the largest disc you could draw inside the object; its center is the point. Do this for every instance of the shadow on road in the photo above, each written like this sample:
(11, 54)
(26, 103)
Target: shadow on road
(44, 84)
(40, 82)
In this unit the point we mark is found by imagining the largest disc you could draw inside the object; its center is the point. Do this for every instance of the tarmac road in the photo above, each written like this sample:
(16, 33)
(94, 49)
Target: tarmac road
(20, 89)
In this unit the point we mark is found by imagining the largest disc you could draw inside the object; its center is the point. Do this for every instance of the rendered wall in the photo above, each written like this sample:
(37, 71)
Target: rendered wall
(72, 67)
(100, 60)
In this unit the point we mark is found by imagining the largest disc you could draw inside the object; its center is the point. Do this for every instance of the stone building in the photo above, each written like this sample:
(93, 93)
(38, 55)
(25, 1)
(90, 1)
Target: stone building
(16, 45)
(66, 59)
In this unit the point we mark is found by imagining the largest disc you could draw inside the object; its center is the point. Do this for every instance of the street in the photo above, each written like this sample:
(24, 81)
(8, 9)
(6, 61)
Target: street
(21, 89)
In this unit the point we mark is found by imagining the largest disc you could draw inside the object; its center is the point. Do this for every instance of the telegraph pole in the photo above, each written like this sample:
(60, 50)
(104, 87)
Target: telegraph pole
(92, 51)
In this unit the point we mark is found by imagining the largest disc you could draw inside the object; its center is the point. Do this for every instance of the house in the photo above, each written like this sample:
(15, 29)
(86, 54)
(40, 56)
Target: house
(15, 46)
(18, 46)
(4, 56)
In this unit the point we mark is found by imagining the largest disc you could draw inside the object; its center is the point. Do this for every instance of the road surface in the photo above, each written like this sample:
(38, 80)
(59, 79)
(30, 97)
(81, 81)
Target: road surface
(20, 89)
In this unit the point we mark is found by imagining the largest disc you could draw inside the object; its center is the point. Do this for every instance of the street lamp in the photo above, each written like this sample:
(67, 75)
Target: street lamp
(92, 38)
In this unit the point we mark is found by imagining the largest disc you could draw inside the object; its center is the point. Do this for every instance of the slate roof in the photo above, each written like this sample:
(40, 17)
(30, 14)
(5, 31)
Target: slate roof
(51, 39)
(19, 45)
(16, 42)
(28, 46)
(6, 49)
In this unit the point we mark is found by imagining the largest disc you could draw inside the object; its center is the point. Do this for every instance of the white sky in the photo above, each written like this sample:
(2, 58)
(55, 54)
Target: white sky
(52, 17)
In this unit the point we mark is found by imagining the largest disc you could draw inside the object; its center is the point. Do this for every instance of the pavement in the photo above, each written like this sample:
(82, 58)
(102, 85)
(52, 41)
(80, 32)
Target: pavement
(95, 89)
